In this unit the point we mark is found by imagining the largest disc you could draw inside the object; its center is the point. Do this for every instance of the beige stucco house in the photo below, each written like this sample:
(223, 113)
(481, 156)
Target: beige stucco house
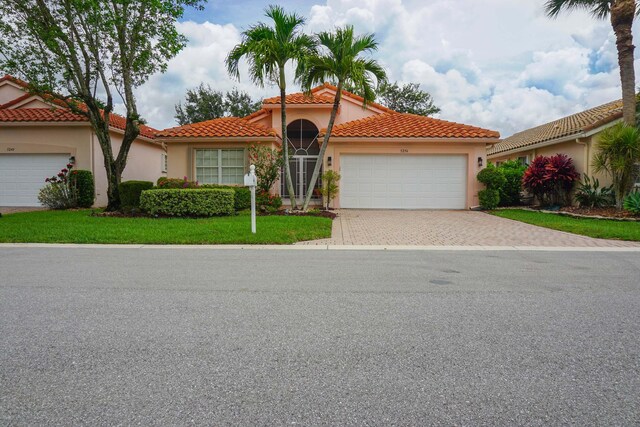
(386, 159)
(37, 138)
(575, 135)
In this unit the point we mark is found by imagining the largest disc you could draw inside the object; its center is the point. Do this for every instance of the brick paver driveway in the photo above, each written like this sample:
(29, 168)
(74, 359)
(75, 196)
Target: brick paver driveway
(447, 228)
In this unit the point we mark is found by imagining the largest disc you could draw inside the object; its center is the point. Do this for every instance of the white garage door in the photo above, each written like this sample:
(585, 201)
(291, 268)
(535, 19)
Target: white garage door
(403, 181)
(22, 176)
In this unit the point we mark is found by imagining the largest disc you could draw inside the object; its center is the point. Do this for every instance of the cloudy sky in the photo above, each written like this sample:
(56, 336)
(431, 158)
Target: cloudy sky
(499, 64)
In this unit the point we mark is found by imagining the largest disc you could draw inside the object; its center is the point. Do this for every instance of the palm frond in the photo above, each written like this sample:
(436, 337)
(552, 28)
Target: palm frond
(598, 8)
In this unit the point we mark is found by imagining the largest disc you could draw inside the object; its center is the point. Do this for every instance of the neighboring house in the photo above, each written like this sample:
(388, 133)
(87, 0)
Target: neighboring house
(37, 138)
(387, 159)
(575, 135)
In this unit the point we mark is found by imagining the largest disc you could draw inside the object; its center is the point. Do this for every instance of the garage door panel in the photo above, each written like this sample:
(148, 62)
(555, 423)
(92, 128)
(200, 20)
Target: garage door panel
(23, 175)
(403, 181)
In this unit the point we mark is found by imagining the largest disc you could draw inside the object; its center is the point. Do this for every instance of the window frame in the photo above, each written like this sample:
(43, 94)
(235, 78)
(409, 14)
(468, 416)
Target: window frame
(219, 167)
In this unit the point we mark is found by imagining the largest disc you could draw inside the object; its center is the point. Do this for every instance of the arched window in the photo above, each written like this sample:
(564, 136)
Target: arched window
(303, 138)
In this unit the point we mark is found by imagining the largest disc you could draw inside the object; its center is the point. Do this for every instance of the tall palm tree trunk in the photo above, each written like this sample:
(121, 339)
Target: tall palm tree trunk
(285, 142)
(323, 148)
(622, 14)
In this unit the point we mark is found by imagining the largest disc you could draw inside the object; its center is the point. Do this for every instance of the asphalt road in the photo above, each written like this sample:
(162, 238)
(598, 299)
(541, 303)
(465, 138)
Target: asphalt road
(219, 337)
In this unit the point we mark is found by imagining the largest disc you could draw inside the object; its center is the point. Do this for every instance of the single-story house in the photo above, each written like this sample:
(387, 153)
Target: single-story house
(386, 159)
(37, 138)
(575, 135)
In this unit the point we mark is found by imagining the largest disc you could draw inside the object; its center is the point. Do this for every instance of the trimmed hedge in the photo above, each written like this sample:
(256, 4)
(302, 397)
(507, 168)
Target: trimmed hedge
(242, 195)
(85, 187)
(489, 198)
(191, 202)
(130, 193)
(168, 183)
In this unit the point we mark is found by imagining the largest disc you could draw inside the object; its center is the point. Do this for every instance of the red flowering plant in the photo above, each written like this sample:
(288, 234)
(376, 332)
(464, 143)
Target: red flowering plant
(562, 176)
(550, 179)
(268, 162)
(59, 191)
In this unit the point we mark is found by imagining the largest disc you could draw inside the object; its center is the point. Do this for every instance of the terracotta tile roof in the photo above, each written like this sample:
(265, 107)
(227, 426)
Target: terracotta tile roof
(219, 128)
(301, 98)
(16, 100)
(354, 96)
(63, 115)
(315, 98)
(55, 114)
(400, 125)
(574, 124)
(8, 77)
(39, 115)
(257, 114)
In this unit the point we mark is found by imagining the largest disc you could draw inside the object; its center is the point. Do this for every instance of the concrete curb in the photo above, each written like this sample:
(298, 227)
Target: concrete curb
(324, 247)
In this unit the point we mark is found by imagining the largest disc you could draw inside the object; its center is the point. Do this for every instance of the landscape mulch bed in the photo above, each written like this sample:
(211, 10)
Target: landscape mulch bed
(324, 214)
(595, 213)
(610, 212)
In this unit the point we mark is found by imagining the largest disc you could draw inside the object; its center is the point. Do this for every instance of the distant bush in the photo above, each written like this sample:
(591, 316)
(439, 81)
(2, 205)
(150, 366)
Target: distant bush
(242, 195)
(130, 193)
(489, 198)
(493, 179)
(167, 183)
(632, 203)
(83, 182)
(267, 202)
(59, 193)
(512, 187)
(197, 202)
(551, 179)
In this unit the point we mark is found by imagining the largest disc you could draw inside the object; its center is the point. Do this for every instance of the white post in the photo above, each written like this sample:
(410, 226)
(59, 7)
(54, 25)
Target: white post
(252, 174)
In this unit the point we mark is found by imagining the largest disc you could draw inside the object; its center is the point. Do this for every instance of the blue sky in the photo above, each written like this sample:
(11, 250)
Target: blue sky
(499, 64)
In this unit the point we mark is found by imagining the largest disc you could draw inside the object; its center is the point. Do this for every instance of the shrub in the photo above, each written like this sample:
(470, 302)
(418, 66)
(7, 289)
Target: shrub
(330, 188)
(511, 189)
(632, 203)
(242, 195)
(168, 183)
(590, 194)
(562, 176)
(59, 193)
(492, 177)
(550, 179)
(190, 202)
(130, 193)
(268, 202)
(489, 198)
(82, 180)
(268, 162)
(534, 178)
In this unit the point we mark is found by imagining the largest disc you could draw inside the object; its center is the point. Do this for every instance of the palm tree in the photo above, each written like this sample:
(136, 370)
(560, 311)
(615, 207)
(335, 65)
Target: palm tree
(267, 50)
(341, 61)
(618, 154)
(621, 14)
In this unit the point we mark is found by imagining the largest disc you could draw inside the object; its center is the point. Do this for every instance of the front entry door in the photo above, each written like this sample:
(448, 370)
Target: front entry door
(301, 172)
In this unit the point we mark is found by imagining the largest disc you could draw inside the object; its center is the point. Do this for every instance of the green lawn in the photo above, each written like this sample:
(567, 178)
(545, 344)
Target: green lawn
(600, 228)
(81, 227)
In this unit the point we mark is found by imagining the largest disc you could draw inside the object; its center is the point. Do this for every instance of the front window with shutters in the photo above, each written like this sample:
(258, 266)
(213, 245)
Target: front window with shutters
(220, 166)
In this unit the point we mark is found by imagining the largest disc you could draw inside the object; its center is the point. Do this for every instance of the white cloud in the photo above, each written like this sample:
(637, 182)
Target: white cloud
(500, 64)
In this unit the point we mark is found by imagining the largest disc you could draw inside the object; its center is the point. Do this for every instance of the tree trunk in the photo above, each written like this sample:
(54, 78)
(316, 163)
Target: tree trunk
(285, 141)
(622, 15)
(323, 149)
